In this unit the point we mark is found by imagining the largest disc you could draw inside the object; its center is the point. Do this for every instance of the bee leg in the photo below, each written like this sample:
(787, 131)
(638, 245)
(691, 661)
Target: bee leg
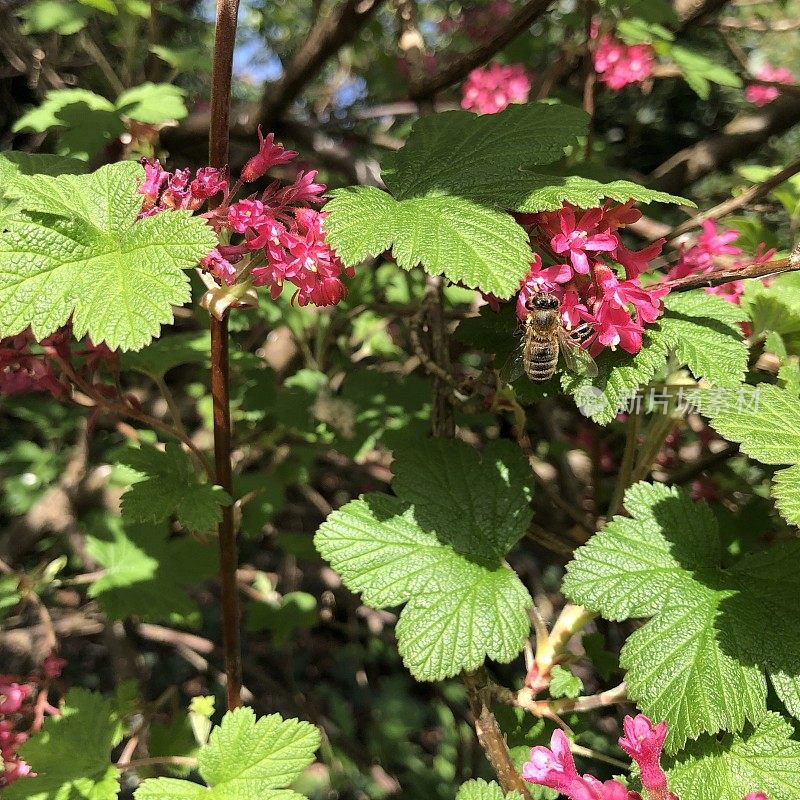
(581, 332)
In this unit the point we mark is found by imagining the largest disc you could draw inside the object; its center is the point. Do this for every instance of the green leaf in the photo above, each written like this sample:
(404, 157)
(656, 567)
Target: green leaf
(72, 753)
(82, 253)
(460, 153)
(61, 17)
(245, 759)
(635, 30)
(184, 59)
(86, 121)
(765, 759)
(699, 662)
(147, 573)
(701, 70)
(14, 164)
(101, 5)
(168, 352)
(9, 594)
(770, 434)
(153, 103)
(702, 331)
(564, 684)
(479, 246)
(480, 789)
(169, 486)
(530, 192)
(297, 610)
(463, 603)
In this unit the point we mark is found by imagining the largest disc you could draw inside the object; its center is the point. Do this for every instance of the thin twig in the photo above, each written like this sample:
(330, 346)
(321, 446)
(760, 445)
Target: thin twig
(459, 67)
(721, 276)
(626, 468)
(735, 203)
(155, 761)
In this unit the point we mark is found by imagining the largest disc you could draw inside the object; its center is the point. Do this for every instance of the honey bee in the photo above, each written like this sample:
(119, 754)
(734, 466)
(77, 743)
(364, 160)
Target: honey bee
(544, 336)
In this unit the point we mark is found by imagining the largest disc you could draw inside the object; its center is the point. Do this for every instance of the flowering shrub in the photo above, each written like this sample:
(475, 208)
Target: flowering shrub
(601, 559)
(702, 257)
(23, 705)
(589, 287)
(760, 95)
(283, 238)
(491, 89)
(618, 65)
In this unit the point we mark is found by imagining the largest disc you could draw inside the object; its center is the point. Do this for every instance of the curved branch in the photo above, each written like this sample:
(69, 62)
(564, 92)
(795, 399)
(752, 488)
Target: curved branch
(743, 134)
(458, 68)
(326, 37)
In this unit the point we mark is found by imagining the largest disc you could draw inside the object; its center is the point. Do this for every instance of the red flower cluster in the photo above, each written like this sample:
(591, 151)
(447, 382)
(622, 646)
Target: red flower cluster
(280, 239)
(699, 259)
(589, 255)
(760, 95)
(555, 768)
(23, 703)
(28, 367)
(618, 64)
(491, 89)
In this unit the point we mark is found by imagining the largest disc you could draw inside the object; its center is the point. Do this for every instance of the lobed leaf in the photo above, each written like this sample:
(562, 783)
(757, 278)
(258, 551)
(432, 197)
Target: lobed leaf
(700, 661)
(80, 252)
(463, 603)
(72, 753)
(245, 759)
(478, 246)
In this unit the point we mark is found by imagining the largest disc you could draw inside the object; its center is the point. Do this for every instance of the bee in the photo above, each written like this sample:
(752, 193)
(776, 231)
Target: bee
(544, 336)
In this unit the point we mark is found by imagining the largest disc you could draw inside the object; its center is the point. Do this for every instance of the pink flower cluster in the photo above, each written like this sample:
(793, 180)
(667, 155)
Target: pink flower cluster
(589, 254)
(26, 366)
(699, 259)
(618, 64)
(23, 702)
(281, 239)
(488, 90)
(555, 768)
(760, 95)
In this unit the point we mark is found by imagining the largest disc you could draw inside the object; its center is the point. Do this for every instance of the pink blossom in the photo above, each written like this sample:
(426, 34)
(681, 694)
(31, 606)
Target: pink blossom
(269, 155)
(12, 695)
(245, 214)
(756, 796)
(637, 261)
(219, 267)
(154, 179)
(488, 90)
(302, 190)
(760, 95)
(643, 742)
(699, 259)
(584, 236)
(554, 767)
(53, 665)
(618, 65)
(177, 195)
(208, 182)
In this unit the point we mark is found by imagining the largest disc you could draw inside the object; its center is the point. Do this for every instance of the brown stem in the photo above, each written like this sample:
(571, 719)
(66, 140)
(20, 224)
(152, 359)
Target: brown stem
(457, 69)
(489, 734)
(224, 39)
(717, 278)
(741, 200)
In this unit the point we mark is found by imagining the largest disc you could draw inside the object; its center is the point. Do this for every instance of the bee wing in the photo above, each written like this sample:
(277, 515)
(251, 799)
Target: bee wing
(576, 358)
(514, 365)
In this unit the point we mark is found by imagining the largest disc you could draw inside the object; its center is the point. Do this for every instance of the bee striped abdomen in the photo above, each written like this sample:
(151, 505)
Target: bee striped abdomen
(540, 356)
